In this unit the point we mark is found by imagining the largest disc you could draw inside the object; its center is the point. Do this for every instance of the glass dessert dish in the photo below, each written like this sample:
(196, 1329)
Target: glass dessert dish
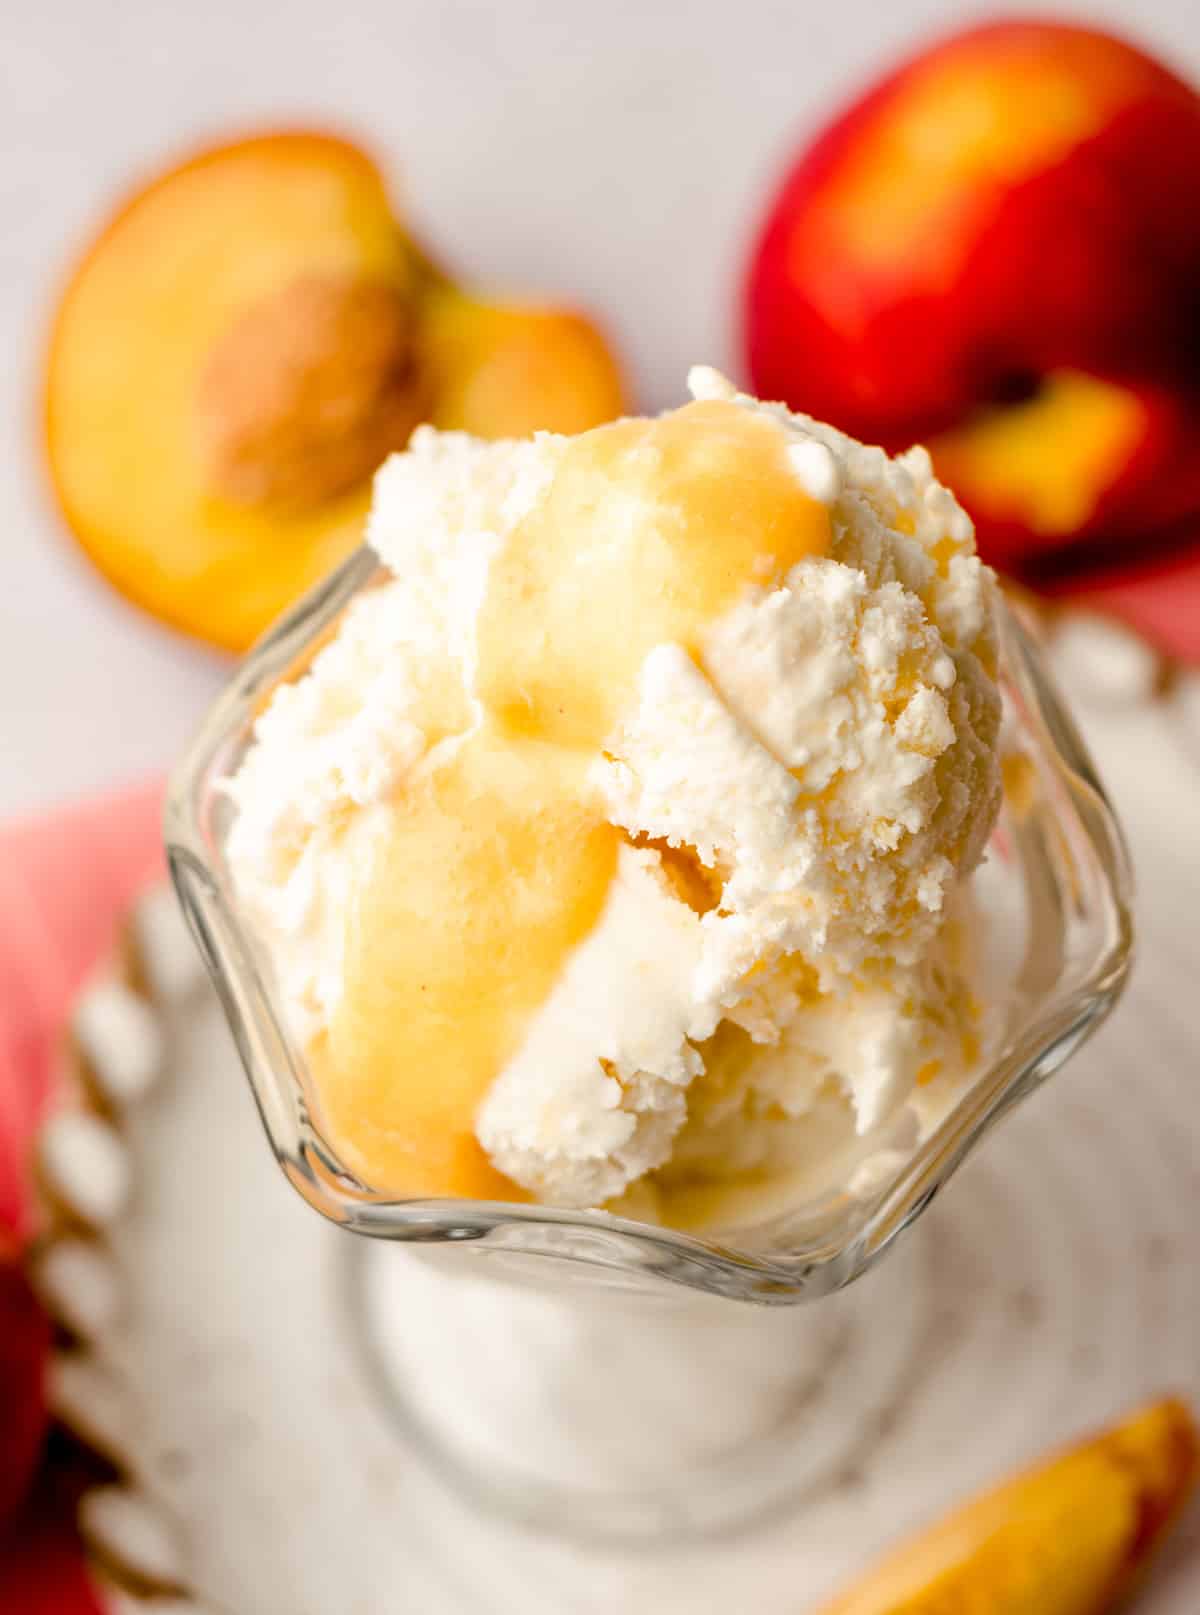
(597, 1374)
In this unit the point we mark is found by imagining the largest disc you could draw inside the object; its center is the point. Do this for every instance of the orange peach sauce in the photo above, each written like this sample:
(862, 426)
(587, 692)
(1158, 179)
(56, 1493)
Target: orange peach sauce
(495, 863)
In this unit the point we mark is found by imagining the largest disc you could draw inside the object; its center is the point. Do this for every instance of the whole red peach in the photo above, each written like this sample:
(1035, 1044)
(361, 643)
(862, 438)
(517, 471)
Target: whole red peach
(997, 250)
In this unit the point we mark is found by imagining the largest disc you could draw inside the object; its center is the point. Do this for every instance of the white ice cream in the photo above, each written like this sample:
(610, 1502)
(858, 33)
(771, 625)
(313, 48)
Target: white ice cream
(828, 763)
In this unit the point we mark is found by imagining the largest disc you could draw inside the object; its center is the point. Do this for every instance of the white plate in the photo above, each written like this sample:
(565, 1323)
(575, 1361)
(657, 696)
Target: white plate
(261, 1477)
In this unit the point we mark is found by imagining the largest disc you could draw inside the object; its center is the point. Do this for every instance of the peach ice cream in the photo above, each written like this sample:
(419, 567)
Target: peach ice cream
(613, 846)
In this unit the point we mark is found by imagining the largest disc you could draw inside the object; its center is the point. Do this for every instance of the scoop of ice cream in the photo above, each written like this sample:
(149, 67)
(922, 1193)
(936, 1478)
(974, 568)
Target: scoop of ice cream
(615, 832)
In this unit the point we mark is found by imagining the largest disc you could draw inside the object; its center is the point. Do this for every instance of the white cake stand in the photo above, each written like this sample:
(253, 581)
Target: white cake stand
(259, 1474)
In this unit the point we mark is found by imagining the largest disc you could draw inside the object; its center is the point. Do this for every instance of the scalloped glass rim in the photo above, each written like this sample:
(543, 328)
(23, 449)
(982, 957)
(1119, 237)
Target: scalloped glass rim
(1070, 855)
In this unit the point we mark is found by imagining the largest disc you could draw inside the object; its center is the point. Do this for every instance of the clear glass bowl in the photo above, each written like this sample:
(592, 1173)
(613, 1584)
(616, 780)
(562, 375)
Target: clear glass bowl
(1054, 893)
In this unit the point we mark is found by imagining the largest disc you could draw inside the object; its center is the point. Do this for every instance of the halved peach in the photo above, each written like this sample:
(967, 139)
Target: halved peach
(228, 364)
(244, 343)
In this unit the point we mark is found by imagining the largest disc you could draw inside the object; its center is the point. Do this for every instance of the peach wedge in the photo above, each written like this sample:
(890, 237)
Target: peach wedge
(1069, 1537)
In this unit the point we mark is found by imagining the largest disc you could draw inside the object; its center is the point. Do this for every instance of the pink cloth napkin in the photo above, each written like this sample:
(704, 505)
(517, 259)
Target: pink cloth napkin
(65, 882)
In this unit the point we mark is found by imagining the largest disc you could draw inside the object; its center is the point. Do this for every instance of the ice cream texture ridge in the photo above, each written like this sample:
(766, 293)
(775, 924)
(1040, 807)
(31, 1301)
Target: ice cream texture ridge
(617, 843)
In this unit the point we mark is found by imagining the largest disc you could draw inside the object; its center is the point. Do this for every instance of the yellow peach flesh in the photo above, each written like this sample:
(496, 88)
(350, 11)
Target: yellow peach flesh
(134, 338)
(508, 370)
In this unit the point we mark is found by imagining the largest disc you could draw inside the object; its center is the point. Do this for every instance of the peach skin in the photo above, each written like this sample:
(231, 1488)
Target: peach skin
(996, 251)
(240, 347)
(1069, 1537)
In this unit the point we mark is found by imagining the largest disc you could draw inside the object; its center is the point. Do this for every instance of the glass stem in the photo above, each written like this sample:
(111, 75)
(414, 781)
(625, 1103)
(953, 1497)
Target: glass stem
(575, 1398)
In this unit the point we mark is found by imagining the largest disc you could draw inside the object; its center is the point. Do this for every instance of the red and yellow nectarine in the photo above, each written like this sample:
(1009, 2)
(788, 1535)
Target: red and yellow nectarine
(997, 250)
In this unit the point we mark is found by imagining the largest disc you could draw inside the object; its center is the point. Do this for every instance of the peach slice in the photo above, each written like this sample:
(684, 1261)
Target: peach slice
(1069, 1537)
(506, 370)
(244, 343)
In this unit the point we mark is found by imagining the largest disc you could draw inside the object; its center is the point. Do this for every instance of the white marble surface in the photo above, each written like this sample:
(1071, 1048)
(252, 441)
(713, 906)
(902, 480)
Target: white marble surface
(616, 152)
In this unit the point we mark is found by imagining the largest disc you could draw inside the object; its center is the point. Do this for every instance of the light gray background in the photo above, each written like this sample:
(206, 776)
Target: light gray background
(615, 152)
